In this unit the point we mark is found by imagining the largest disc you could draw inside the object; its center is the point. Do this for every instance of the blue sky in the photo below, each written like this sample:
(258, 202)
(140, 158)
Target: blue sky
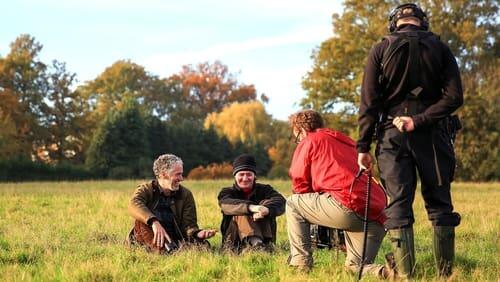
(267, 43)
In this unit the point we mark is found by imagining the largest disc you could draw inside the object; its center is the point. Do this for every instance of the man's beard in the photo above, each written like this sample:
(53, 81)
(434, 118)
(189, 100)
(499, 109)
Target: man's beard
(174, 187)
(168, 185)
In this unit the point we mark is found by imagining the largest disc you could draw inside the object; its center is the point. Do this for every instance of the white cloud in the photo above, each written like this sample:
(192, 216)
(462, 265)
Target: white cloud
(280, 82)
(310, 34)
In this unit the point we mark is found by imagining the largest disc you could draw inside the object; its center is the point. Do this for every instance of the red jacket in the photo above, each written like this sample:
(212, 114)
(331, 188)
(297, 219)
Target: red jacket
(326, 161)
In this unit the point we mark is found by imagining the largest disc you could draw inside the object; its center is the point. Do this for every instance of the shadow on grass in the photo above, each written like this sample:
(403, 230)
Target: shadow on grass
(29, 257)
(468, 264)
(426, 266)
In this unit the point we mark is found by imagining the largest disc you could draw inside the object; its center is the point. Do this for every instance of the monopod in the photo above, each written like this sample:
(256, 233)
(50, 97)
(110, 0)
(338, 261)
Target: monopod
(365, 226)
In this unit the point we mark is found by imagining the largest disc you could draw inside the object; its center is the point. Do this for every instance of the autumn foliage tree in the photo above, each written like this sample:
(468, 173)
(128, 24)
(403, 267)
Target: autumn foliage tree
(121, 81)
(64, 118)
(248, 127)
(242, 122)
(23, 88)
(208, 88)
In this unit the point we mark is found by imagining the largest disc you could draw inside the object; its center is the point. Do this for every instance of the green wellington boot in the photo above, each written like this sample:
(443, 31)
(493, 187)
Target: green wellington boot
(404, 252)
(444, 249)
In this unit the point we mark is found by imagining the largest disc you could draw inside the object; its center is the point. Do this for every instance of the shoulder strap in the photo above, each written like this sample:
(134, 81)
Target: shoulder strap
(396, 41)
(415, 38)
(413, 81)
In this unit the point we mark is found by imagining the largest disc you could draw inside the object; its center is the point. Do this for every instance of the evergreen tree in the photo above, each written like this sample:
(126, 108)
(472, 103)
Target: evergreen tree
(120, 148)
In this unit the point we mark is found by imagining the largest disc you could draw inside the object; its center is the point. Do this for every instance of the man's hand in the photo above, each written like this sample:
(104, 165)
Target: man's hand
(257, 216)
(365, 161)
(205, 234)
(404, 124)
(160, 235)
(258, 211)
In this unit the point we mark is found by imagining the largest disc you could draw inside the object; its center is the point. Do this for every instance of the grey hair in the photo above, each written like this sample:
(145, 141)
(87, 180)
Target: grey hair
(164, 163)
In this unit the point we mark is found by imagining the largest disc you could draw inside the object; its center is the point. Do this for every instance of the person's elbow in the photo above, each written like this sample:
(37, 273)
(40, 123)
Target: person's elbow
(456, 102)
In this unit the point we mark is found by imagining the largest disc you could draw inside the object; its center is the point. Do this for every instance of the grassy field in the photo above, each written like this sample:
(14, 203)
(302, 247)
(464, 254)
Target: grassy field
(73, 231)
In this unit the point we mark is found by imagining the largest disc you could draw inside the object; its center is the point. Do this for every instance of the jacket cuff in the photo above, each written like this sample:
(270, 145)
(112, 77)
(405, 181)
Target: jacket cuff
(150, 220)
(192, 233)
(272, 212)
(363, 148)
(418, 120)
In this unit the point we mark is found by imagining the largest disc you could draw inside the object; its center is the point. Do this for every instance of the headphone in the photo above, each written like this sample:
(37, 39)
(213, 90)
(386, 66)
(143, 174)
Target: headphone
(407, 10)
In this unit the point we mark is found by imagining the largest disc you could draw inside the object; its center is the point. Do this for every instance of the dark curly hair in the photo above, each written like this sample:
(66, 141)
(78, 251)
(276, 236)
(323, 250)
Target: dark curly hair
(307, 119)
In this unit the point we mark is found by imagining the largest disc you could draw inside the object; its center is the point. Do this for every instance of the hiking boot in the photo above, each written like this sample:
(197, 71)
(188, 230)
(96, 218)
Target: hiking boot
(404, 252)
(444, 249)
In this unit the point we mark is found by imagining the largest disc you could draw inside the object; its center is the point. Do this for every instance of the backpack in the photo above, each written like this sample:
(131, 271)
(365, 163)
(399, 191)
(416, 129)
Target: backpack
(398, 41)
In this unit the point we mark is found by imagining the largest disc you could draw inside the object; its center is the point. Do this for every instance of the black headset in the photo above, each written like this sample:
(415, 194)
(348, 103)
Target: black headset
(416, 12)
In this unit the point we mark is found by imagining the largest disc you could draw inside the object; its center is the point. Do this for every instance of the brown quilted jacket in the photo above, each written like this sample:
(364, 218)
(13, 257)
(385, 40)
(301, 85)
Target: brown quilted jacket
(146, 197)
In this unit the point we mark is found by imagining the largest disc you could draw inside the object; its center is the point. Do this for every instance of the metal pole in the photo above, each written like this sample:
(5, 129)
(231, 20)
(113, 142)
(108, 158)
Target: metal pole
(365, 226)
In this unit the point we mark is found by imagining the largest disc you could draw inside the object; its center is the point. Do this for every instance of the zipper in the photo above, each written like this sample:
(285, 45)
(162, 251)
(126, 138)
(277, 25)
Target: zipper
(436, 164)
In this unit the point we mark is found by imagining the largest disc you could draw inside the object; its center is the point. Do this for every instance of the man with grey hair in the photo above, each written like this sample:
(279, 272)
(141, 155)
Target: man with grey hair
(165, 211)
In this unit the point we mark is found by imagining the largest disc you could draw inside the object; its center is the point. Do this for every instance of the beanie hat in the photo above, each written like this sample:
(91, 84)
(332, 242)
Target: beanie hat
(244, 162)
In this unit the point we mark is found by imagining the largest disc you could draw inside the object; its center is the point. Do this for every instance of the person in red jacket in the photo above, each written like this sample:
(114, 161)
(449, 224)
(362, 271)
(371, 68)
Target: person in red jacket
(328, 193)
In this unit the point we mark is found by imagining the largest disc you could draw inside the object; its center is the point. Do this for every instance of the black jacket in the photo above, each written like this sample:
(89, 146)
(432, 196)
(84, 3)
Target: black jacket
(232, 201)
(439, 77)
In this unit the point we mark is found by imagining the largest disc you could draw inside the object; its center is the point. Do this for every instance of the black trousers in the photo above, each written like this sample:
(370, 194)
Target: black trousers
(400, 156)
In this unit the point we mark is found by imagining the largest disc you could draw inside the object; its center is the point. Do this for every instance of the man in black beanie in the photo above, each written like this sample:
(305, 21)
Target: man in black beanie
(249, 209)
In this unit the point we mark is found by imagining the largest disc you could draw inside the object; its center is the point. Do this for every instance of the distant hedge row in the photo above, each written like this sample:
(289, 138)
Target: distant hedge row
(26, 170)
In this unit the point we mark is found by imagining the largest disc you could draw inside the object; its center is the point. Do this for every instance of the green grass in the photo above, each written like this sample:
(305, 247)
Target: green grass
(73, 231)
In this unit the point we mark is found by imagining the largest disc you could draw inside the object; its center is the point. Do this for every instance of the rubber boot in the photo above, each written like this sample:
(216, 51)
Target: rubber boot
(444, 249)
(404, 252)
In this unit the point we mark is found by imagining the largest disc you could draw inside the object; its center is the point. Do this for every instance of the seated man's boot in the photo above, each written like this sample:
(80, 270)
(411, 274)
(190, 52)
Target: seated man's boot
(444, 249)
(404, 252)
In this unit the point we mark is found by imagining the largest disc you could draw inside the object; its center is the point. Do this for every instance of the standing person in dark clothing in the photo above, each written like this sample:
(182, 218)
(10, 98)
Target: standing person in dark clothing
(411, 86)
(249, 209)
(165, 211)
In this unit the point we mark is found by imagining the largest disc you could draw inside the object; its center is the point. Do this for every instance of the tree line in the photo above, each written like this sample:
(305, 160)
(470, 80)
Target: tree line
(115, 125)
